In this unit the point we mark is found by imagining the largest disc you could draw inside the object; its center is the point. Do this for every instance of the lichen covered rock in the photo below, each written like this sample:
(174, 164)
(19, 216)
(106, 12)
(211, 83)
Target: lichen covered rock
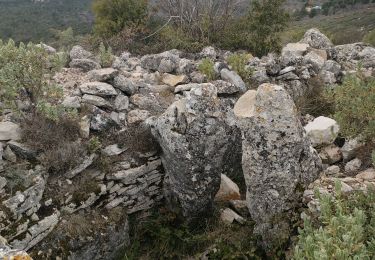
(278, 160)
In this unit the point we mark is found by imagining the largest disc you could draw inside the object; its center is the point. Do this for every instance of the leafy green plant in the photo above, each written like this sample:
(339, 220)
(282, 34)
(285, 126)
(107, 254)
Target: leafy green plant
(370, 38)
(24, 71)
(165, 236)
(354, 106)
(206, 67)
(105, 55)
(267, 19)
(111, 16)
(345, 229)
(94, 145)
(238, 62)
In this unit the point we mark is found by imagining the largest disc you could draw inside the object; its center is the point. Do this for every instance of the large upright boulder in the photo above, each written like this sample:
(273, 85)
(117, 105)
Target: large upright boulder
(195, 139)
(316, 39)
(277, 160)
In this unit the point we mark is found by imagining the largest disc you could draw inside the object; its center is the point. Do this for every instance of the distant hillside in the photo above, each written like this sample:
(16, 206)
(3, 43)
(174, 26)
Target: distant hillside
(32, 20)
(342, 27)
(25, 20)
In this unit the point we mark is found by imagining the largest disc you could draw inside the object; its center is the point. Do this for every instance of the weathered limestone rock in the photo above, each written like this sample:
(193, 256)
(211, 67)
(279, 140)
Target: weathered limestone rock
(366, 175)
(9, 131)
(228, 216)
(350, 148)
(125, 85)
(174, 80)
(330, 154)
(316, 39)
(278, 160)
(112, 150)
(98, 89)
(77, 52)
(37, 232)
(165, 62)
(233, 78)
(121, 103)
(103, 75)
(208, 52)
(84, 64)
(228, 190)
(72, 102)
(194, 138)
(7, 253)
(96, 101)
(136, 116)
(23, 151)
(322, 130)
(28, 200)
(353, 166)
(225, 88)
(298, 49)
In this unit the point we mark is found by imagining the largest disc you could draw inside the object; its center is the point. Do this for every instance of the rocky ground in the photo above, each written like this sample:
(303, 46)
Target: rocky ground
(207, 133)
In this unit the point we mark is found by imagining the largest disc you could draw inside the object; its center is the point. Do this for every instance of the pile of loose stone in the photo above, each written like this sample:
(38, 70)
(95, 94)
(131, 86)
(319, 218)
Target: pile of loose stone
(208, 132)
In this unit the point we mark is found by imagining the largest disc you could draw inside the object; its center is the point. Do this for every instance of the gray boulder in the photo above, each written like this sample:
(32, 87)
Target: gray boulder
(84, 64)
(165, 62)
(125, 85)
(278, 160)
(234, 78)
(103, 75)
(96, 101)
(98, 89)
(9, 131)
(194, 138)
(77, 52)
(316, 39)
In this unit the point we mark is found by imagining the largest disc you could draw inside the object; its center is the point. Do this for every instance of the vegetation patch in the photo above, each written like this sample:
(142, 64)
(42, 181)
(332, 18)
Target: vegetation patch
(165, 236)
(344, 229)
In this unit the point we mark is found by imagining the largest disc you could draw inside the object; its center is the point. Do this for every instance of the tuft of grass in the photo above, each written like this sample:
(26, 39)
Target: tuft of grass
(165, 236)
(344, 230)
(238, 62)
(206, 67)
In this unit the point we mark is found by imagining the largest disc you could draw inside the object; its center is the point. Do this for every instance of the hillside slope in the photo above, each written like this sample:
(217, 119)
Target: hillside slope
(25, 20)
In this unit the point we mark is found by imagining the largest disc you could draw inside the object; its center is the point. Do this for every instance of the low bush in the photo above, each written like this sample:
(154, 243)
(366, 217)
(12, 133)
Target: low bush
(63, 157)
(345, 229)
(206, 67)
(165, 236)
(239, 62)
(137, 138)
(105, 56)
(370, 38)
(317, 100)
(354, 106)
(44, 133)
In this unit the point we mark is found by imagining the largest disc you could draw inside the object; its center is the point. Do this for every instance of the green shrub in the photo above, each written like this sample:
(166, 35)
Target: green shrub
(64, 39)
(24, 72)
(238, 62)
(21, 68)
(317, 100)
(111, 16)
(94, 145)
(354, 106)
(267, 19)
(345, 229)
(373, 158)
(105, 56)
(165, 236)
(206, 67)
(370, 38)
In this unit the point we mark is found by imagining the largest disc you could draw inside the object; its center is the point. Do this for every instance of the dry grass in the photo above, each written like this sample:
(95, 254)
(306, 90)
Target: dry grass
(57, 140)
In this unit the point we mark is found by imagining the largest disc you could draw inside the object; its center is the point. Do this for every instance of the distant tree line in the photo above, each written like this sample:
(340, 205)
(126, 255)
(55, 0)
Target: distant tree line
(189, 25)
